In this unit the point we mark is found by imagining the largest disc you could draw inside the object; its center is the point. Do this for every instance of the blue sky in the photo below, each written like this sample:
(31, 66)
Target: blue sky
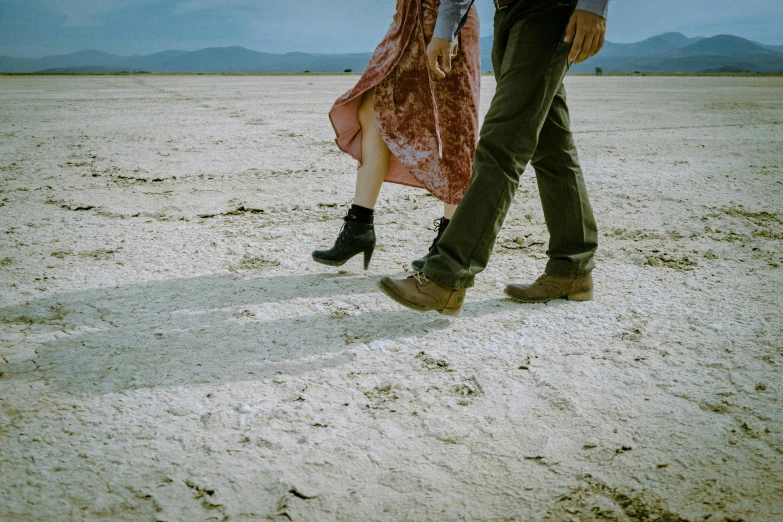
(40, 27)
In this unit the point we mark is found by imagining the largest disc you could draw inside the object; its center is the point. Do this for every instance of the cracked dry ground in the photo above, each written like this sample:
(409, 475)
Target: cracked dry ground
(170, 352)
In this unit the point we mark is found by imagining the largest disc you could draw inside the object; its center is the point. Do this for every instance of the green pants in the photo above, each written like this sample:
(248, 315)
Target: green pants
(527, 121)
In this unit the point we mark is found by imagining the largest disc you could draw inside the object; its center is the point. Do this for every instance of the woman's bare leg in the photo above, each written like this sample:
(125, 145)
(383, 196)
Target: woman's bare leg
(375, 156)
(375, 159)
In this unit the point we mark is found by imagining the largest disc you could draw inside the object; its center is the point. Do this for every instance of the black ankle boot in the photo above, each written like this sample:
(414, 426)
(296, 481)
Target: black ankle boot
(440, 225)
(355, 237)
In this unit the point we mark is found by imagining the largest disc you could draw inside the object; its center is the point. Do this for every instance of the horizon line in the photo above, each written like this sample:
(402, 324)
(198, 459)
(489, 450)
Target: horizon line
(64, 53)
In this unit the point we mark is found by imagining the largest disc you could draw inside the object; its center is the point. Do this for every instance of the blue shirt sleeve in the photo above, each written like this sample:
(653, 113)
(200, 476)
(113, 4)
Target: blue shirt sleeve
(452, 12)
(599, 7)
(450, 16)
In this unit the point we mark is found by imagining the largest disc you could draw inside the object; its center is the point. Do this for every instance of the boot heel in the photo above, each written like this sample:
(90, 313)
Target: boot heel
(451, 311)
(368, 257)
(584, 296)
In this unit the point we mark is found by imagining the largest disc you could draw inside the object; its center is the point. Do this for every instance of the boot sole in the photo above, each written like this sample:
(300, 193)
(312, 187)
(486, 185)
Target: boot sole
(583, 296)
(403, 302)
(329, 262)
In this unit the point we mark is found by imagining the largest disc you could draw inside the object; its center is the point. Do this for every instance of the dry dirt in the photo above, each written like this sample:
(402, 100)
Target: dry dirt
(170, 352)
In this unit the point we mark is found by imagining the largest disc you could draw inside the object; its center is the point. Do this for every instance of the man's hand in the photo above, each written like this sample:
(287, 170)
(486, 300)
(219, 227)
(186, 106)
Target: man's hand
(586, 31)
(439, 54)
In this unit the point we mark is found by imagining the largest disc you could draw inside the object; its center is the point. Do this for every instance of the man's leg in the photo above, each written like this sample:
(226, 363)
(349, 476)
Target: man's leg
(533, 66)
(569, 218)
(573, 237)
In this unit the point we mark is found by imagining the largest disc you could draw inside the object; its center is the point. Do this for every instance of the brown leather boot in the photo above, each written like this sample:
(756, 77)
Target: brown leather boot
(419, 293)
(549, 287)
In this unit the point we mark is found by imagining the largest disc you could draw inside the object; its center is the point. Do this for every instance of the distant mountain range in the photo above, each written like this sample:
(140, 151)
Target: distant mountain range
(669, 52)
(674, 52)
(210, 60)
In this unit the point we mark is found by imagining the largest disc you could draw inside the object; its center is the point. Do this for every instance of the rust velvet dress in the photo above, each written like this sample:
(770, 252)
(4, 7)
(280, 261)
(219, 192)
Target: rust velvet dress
(429, 125)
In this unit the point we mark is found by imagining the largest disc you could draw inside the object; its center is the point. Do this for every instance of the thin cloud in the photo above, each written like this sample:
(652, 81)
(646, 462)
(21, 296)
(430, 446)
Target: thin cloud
(192, 6)
(82, 13)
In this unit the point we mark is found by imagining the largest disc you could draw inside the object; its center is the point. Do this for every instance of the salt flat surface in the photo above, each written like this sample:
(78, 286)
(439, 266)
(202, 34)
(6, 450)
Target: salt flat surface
(170, 352)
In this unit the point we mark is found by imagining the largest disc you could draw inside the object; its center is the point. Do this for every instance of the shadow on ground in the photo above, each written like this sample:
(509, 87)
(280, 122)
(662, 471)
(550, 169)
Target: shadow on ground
(210, 329)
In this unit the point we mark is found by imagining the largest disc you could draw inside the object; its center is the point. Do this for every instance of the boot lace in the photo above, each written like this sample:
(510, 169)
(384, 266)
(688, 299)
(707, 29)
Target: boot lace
(439, 228)
(342, 236)
(421, 278)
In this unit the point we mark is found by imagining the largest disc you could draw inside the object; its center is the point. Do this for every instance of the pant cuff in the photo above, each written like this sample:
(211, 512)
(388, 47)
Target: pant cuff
(447, 281)
(566, 271)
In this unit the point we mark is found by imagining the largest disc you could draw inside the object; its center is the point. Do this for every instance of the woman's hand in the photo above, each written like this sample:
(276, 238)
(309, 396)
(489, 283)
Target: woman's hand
(439, 54)
(587, 31)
